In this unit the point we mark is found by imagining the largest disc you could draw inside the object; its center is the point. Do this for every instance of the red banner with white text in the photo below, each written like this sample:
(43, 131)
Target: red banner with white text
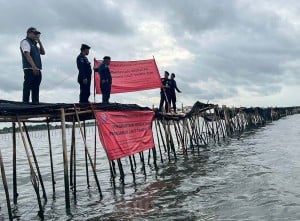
(128, 76)
(123, 133)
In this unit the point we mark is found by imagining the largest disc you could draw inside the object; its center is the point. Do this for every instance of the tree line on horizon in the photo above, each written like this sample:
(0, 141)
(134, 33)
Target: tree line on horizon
(39, 127)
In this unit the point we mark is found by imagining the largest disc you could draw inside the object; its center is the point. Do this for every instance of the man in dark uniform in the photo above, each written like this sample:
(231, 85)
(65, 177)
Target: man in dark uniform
(163, 92)
(171, 91)
(105, 79)
(32, 64)
(85, 73)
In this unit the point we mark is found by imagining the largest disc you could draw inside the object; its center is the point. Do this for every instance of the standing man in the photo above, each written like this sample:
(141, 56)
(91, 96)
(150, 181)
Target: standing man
(105, 79)
(163, 92)
(171, 91)
(31, 50)
(85, 73)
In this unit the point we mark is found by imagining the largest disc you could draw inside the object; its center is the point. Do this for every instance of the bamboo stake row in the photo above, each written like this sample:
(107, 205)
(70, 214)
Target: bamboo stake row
(175, 135)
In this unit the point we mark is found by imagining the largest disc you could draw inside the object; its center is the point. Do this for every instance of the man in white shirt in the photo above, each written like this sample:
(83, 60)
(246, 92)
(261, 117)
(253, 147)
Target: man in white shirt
(32, 64)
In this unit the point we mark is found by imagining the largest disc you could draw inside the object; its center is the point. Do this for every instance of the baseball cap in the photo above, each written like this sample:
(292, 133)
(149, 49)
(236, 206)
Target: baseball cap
(33, 30)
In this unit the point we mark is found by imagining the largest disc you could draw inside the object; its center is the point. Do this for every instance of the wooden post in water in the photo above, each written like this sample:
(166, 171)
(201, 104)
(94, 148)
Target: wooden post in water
(51, 159)
(95, 143)
(161, 158)
(162, 138)
(132, 169)
(143, 162)
(227, 123)
(15, 190)
(5, 187)
(87, 152)
(35, 162)
(172, 146)
(154, 158)
(33, 176)
(86, 158)
(74, 158)
(65, 160)
(122, 175)
(72, 155)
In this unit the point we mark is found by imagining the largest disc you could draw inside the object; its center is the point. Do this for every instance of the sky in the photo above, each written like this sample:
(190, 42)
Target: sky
(227, 52)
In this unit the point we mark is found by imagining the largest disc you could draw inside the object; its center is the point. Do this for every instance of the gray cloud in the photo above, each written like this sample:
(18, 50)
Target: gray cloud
(55, 16)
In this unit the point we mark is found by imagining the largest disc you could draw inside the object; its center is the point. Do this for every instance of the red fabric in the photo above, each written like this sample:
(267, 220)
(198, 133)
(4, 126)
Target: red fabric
(128, 76)
(123, 133)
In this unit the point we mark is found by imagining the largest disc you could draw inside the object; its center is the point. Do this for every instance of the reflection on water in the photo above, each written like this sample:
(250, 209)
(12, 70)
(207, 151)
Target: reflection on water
(250, 177)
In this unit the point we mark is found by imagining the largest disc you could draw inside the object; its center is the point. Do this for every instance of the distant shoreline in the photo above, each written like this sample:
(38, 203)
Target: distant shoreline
(38, 127)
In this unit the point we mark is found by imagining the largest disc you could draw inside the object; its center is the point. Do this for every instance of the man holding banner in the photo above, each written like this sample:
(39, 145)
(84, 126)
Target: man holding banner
(128, 76)
(105, 79)
(164, 92)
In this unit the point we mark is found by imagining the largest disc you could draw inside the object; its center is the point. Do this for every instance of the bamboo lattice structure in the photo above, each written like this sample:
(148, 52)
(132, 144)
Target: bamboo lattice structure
(175, 134)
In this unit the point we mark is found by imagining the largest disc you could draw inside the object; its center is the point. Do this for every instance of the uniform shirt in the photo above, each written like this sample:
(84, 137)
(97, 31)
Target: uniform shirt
(172, 84)
(105, 74)
(84, 67)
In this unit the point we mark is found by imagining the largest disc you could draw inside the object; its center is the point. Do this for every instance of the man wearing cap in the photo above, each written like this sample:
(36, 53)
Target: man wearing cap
(31, 50)
(85, 73)
(105, 79)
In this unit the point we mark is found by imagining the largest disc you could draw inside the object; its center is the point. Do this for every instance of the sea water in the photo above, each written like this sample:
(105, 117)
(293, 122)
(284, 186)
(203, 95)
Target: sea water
(252, 176)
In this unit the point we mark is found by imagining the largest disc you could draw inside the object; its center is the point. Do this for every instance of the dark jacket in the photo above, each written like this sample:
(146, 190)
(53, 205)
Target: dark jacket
(84, 67)
(34, 53)
(165, 85)
(172, 87)
(105, 74)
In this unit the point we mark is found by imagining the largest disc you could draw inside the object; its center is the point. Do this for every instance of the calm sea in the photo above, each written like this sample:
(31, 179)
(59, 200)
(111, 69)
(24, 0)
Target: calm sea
(254, 176)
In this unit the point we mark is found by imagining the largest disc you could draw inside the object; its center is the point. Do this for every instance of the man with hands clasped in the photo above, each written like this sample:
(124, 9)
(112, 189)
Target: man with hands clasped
(84, 74)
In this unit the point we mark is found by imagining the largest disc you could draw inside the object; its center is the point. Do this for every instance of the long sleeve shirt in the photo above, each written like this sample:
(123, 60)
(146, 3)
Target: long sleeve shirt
(105, 74)
(84, 67)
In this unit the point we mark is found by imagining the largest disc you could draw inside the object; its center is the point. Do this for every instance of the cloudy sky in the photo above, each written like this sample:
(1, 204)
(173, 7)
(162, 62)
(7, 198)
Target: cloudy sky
(233, 52)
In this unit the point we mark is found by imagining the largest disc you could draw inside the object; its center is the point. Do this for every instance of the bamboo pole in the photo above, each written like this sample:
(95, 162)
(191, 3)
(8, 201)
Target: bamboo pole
(74, 160)
(154, 158)
(172, 146)
(51, 160)
(132, 169)
(86, 158)
(134, 161)
(33, 176)
(162, 137)
(72, 155)
(65, 160)
(165, 143)
(35, 162)
(122, 175)
(143, 162)
(87, 152)
(95, 143)
(161, 158)
(5, 187)
(15, 190)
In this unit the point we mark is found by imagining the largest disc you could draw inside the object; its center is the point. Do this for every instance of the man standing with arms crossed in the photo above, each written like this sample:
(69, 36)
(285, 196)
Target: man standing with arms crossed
(32, 64)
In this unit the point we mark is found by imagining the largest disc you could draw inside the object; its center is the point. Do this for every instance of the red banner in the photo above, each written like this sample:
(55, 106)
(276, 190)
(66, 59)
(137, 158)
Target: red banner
(128, 76)
(123, 133)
